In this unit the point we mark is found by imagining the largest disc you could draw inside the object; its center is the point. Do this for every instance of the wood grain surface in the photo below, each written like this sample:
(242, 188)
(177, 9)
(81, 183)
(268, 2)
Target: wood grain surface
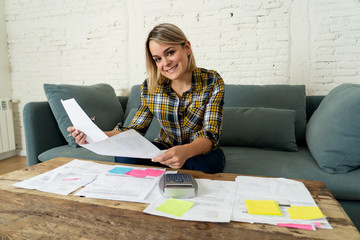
(31, 214)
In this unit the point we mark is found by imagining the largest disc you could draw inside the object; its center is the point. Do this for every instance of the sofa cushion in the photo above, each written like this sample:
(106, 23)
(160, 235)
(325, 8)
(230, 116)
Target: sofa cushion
(68, 151)
(260, 127)
(291, 97)
(154, 128)
(99, 101)
(333, 131)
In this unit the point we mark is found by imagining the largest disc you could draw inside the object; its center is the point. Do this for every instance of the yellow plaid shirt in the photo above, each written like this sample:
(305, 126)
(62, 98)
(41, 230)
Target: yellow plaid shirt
(198, 113)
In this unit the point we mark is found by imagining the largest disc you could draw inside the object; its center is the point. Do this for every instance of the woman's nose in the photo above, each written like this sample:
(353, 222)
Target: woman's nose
(166, 61)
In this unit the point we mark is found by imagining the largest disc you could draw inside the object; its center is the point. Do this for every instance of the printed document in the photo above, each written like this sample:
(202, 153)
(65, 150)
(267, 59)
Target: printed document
(120, 187)
(126, 144)
(62, 180)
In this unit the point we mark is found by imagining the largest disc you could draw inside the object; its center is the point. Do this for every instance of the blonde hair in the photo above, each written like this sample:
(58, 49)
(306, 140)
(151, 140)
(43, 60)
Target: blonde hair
(169, 34)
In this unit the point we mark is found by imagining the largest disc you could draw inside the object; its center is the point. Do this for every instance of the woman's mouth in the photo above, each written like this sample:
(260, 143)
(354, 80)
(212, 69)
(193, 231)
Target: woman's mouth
(171, 70)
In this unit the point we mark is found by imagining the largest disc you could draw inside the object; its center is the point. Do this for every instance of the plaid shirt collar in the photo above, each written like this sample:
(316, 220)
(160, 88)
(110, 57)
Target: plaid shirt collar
(195, 84)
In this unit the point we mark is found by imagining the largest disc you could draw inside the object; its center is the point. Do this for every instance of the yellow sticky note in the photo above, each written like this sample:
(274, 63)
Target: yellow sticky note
(263, 207)
(305, 212)
(176, 207)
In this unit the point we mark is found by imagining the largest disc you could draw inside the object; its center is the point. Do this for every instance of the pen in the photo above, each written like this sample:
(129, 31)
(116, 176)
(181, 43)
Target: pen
(92, 119)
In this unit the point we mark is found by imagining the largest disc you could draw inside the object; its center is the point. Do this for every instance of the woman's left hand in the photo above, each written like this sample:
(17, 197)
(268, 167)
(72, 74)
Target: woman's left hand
(174, 157)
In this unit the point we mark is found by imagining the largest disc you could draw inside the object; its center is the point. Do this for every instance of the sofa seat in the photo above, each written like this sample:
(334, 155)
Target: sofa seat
(71, 152)
(296, 165)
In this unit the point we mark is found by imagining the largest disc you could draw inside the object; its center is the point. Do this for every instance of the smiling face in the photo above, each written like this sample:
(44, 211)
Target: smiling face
(171, 60)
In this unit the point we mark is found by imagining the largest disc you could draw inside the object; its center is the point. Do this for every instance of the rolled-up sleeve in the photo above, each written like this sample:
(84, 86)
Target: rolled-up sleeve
(213, 115)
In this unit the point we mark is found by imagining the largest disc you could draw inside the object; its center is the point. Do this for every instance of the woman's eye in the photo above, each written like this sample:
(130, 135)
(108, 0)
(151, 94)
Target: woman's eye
(171, 53)
(157, 59)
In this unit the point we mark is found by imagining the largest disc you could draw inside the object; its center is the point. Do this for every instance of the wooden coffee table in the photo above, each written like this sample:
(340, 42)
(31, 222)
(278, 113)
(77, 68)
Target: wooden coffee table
(31, 214)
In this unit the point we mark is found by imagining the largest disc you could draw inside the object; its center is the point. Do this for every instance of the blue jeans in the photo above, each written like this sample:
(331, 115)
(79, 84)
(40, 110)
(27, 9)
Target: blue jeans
(212, 162)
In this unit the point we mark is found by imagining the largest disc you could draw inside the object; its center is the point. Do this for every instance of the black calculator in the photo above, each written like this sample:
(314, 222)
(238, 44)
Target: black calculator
(178, 185)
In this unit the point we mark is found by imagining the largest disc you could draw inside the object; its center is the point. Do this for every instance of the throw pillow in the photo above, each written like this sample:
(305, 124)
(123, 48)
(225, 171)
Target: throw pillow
(290, 97)
(99, 101)
(333, 131)
(260, 127)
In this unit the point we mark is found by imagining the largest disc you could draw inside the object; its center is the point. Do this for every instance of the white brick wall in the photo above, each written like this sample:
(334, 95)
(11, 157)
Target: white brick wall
(311, 42)
(334, 44)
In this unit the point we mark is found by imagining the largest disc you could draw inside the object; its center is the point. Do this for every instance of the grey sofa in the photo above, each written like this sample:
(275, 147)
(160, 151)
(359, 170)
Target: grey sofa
(270, 153)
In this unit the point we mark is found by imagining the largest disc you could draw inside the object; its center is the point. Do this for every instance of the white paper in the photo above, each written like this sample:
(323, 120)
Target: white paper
(35, 182)
(82, 122)
(66, 183)
(276, 189)
(126, 144)
(119, 187)
(62, 180)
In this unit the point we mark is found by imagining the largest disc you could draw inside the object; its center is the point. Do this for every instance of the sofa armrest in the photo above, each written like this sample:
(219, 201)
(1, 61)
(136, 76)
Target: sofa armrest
(41, 130)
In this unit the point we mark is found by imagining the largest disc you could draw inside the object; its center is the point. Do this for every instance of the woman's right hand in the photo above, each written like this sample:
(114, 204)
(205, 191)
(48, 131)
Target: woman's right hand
(79, 136)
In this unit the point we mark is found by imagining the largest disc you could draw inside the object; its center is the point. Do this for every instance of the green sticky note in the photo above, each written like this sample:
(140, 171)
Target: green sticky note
(263, 207)
(305, 212)
(176, 207)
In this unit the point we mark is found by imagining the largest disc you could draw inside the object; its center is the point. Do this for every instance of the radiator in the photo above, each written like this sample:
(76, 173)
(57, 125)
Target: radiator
(7, 137)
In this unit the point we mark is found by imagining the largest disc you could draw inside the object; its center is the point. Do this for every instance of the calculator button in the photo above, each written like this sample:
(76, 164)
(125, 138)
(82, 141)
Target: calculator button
(179, 178)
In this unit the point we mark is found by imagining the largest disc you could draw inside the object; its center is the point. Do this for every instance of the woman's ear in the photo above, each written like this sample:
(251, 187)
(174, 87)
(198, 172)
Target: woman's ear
(188, 47)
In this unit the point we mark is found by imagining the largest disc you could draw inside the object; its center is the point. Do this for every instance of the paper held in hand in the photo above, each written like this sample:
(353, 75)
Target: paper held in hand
(126, 144)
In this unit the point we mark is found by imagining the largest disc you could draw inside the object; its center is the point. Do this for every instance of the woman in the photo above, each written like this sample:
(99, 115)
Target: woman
(187, 102)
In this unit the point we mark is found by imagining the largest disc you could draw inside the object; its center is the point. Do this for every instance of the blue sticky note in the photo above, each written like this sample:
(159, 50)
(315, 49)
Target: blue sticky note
(120, 170)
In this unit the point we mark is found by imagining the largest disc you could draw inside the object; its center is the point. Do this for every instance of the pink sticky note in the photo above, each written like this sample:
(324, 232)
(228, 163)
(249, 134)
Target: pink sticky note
(154, 172)
(137, 173)
(318, 224)
(70, 179)
(299, 226)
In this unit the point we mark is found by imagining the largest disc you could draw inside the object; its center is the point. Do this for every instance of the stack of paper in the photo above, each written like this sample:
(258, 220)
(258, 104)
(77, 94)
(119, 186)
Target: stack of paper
(291, 196)
(103, 181)
(124, 184)
(62, 180)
